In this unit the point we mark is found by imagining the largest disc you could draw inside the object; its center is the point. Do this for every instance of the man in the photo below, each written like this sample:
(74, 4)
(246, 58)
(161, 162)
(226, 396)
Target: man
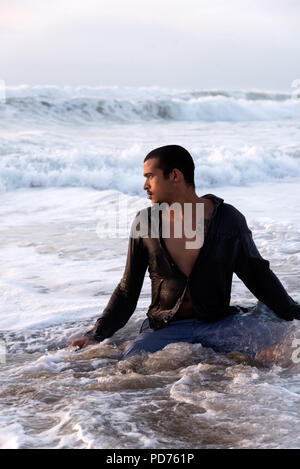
(191, 286)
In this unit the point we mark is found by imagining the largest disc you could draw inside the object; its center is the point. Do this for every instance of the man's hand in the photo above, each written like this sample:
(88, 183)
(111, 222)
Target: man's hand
(82, 342)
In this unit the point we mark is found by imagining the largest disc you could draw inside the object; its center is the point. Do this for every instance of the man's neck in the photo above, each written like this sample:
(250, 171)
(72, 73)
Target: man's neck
(187, 198)
(184, 197)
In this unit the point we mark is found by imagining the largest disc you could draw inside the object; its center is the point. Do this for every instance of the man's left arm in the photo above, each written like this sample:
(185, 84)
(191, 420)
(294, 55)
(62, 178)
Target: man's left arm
(255, 273)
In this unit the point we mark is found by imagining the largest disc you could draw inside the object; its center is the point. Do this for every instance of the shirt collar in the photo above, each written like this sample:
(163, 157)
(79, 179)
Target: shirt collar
(216, 200)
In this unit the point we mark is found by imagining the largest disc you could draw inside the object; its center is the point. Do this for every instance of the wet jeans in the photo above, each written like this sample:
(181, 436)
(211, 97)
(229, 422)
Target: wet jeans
(245, 333)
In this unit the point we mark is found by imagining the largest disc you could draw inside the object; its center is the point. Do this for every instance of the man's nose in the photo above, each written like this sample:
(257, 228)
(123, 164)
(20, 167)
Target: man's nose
(146, 185)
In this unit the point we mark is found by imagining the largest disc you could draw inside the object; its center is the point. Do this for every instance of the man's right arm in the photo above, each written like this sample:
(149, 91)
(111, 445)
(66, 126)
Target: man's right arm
(123, 301)
(256, 274)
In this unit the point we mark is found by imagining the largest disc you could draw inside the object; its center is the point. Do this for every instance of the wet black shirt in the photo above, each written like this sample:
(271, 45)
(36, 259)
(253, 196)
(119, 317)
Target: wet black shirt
(228, 248)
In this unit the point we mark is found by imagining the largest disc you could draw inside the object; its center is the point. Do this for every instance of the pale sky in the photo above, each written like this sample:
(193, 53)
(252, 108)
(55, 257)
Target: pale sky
(233, 44)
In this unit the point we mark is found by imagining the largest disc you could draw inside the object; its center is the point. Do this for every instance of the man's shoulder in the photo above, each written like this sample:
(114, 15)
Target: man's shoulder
(140, 226)
(144, 215)
(143, 211)
(232, 218)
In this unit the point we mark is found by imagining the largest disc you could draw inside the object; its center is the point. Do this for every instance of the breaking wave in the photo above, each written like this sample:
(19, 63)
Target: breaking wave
(95, 104)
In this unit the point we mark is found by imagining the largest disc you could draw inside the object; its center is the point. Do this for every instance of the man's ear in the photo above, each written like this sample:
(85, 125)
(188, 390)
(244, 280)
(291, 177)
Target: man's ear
(176, 175)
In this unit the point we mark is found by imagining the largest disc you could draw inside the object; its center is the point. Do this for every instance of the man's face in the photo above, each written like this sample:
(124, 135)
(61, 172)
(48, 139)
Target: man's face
(158, 188)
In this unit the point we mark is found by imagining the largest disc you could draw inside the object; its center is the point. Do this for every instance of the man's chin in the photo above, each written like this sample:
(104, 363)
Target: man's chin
(157, 201)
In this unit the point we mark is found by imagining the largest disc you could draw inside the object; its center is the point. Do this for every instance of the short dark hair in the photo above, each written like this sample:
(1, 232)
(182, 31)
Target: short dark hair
(174, 156)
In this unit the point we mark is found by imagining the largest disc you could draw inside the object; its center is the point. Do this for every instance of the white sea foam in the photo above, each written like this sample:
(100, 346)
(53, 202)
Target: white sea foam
(86, 105)
(11, 434)
(26, 165)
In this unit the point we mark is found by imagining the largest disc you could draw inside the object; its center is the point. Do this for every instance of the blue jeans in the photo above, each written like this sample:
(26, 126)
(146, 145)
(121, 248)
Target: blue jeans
(242, 332)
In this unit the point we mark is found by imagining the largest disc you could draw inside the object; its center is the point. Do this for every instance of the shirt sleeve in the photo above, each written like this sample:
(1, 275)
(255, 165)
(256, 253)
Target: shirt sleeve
(255, 273)
(123, 301)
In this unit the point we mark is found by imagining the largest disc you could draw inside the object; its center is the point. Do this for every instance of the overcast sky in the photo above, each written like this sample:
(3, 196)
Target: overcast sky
(231, 44)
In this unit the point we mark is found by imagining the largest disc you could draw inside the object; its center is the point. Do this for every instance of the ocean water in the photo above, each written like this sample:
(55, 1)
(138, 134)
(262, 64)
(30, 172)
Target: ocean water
(68, 158)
